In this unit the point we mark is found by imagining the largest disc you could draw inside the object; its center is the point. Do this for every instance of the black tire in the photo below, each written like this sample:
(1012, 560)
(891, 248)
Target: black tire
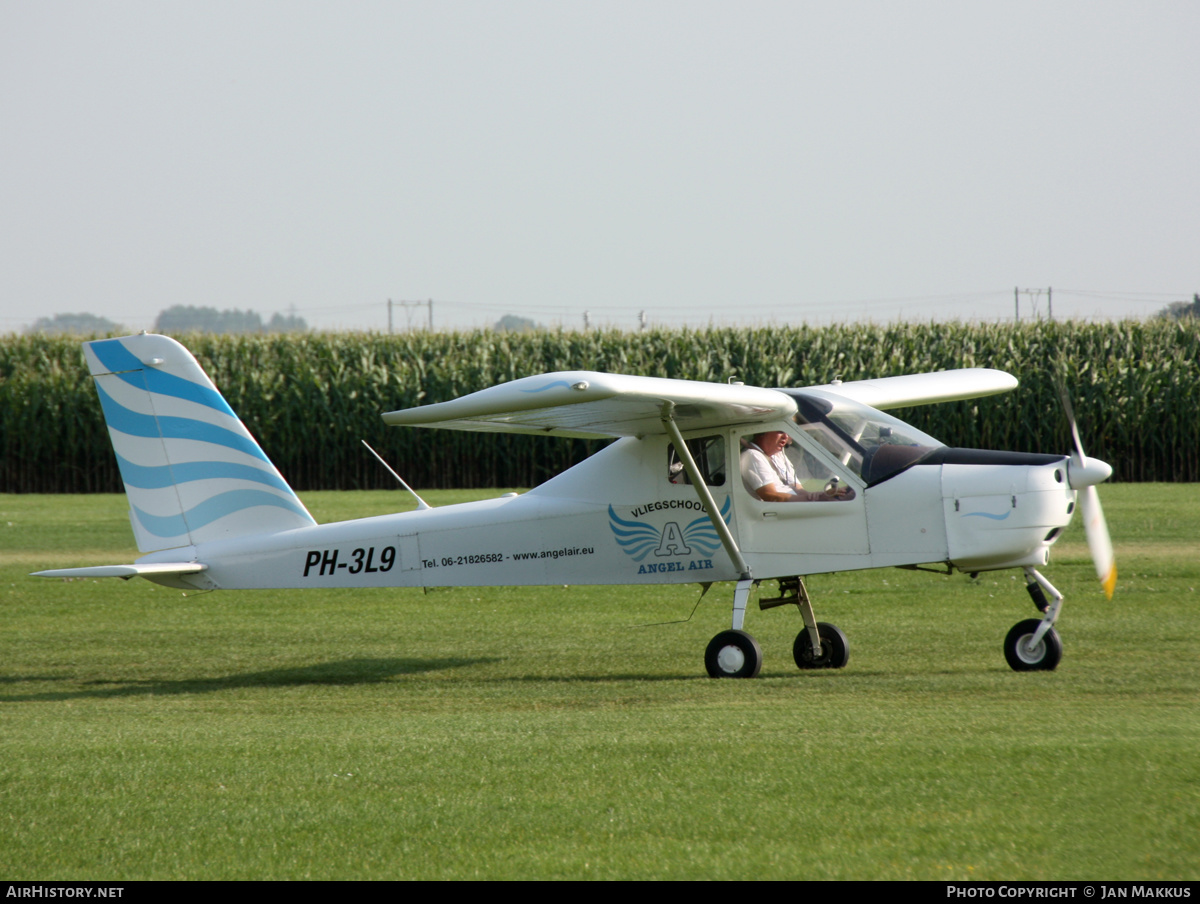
(733, 654)
(835, 648)
(1044, 658)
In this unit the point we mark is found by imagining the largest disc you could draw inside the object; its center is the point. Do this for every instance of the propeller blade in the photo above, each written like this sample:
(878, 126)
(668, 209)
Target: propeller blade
(1099, 541)
(1070, 412)
(1083, 474)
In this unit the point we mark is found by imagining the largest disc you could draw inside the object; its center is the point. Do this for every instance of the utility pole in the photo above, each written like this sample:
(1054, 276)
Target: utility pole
(642, 320)
(410, 304)
(1033, 294)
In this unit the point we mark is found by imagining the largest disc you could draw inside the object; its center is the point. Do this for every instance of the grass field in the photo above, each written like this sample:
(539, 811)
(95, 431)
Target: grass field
(543, 733)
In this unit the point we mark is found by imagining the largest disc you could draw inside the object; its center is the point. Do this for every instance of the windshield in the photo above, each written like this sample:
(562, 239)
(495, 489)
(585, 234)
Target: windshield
(874, 445)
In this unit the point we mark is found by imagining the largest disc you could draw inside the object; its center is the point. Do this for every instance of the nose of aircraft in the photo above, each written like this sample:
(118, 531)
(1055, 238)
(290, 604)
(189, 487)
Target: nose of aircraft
(1087, 472)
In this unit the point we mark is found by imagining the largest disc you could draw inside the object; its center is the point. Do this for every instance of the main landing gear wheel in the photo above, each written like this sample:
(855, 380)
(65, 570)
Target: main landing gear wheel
(1022, 658)
(733, 654)
(835, 649)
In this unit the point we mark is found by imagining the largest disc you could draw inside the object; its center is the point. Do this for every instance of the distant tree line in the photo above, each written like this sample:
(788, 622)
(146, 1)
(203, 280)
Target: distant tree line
(75, 324)
(188, 319)
(177, 319)
(1177, 310)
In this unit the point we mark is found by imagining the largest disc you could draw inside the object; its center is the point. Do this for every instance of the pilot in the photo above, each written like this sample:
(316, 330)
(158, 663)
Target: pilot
(768, 473)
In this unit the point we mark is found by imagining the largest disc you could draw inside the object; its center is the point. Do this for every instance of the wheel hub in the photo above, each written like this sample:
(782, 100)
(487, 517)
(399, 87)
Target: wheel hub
(730, 659)
(1029, 653)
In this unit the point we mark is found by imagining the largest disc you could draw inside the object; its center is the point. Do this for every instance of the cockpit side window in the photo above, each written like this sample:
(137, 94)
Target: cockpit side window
(811, 418)
(709, 454)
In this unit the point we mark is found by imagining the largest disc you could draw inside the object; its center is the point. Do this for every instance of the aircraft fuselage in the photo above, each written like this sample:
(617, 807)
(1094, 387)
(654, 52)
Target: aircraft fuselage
(618, 518)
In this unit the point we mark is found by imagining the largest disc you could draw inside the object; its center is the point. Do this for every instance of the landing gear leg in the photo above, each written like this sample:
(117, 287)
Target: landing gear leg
(1036, 594)
(1034, 645)
(820, 645)
(734, 653)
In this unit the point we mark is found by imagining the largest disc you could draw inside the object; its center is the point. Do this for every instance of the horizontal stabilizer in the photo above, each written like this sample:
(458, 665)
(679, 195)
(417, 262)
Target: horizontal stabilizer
(925, 389)
(598, 406)
(156, 569)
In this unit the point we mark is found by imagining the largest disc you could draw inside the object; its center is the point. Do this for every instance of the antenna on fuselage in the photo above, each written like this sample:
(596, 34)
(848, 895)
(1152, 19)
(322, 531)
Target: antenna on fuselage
(421, 503)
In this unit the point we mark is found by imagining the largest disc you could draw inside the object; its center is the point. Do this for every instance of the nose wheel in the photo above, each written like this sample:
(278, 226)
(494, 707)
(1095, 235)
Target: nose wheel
(1025, 654)
(1033, 645)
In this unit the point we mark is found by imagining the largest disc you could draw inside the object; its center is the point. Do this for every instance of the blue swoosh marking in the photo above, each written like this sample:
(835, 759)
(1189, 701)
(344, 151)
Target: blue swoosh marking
(133, 423)
(639, 548)
(115, 356)
(705, 520)
(987, 515)
(643, 531)
(124, 365)
(156, 477)
(706, 540)
(702, 533)
(549, 386)
(170, 526)
(632, 546)
(211, 509)
(636, 538)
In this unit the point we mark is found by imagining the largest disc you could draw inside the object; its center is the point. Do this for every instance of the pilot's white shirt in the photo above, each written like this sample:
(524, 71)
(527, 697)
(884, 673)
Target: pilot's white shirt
(759, 470)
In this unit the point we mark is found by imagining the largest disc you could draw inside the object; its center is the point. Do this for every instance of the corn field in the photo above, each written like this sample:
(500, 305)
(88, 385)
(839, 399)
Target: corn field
(310, 398)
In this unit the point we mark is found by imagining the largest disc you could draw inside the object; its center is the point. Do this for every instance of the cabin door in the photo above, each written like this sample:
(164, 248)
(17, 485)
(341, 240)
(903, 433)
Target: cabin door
(811, 523)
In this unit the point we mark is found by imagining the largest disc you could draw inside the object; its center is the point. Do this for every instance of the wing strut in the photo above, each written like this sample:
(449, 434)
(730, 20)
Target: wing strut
(701, 488)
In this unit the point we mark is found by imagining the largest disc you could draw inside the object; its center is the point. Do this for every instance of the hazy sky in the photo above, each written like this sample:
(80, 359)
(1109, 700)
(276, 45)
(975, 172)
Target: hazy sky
(748, 162)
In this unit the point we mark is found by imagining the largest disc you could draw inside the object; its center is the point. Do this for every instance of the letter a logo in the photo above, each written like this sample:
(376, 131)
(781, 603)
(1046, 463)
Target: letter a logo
(672, 542)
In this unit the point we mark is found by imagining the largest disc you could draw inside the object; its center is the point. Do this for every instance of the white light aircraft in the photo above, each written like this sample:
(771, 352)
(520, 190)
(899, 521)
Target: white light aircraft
(670, 501)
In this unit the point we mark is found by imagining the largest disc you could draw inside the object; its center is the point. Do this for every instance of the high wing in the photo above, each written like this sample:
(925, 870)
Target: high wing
(925, 389)
(592, 405)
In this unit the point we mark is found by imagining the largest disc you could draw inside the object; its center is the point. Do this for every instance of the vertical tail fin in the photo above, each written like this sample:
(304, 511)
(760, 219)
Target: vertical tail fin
(191, 469)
